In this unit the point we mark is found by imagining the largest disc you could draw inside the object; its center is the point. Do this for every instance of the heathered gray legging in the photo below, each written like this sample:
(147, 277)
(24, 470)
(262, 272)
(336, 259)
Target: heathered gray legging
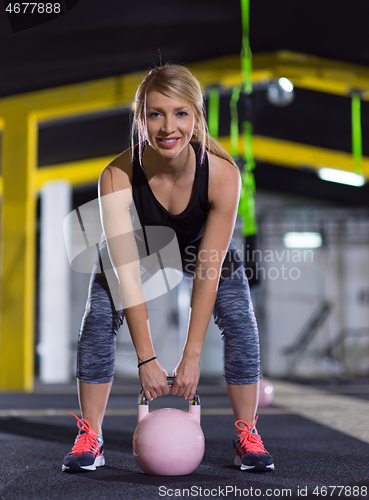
(233, 313)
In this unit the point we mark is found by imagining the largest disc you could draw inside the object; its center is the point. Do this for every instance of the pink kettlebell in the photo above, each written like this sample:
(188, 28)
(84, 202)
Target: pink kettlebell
(266, 393)
(168, 442)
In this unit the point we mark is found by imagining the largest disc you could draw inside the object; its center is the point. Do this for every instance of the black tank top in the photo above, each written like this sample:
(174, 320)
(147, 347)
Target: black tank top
(188, 225)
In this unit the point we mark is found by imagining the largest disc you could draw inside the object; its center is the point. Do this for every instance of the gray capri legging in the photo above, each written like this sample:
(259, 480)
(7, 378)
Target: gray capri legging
(233, 313)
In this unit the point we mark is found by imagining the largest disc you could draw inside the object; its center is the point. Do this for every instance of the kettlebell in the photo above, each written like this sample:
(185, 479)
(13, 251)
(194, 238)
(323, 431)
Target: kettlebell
(168, 442)
(266, 393)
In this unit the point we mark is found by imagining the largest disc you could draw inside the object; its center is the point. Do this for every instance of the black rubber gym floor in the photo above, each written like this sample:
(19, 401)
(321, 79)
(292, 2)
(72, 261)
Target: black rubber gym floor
(312, 461)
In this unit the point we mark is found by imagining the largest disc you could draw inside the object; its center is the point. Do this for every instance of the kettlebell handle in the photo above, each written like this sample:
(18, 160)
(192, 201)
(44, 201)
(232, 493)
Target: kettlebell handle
(195, 401)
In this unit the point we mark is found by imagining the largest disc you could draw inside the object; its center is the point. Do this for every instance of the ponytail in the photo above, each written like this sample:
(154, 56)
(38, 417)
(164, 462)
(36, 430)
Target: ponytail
(218, 150)
(208, 143)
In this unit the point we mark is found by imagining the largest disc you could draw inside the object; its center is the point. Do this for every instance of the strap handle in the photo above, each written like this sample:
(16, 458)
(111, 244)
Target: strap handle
(195, 401)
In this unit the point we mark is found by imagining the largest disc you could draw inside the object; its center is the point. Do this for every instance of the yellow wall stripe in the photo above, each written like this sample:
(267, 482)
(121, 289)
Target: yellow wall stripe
(297, 155)
(77, 173)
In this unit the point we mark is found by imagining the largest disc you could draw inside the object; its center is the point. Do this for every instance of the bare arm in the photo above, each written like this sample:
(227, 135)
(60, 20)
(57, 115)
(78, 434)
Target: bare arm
(224, 188)
(115, 197)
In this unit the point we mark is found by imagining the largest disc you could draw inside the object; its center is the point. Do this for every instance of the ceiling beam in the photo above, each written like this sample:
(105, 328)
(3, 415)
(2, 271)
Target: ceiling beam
(305, 71)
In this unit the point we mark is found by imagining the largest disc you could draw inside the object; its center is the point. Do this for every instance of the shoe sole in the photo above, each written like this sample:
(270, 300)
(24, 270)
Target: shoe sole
(76, 467)
(258, 467)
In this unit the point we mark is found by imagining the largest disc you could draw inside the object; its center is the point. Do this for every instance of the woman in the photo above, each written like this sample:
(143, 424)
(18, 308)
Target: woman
(177, 177)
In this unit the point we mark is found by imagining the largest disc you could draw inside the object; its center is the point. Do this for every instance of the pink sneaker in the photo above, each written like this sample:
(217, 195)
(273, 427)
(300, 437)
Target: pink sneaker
(251, 454)
(88, 449)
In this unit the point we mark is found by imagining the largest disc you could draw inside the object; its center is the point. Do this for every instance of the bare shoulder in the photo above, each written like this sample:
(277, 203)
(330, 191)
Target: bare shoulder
(224, 179)
(117, 175)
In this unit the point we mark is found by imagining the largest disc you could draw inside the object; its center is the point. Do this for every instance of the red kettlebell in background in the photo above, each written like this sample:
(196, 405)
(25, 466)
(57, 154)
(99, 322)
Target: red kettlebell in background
(168, 442)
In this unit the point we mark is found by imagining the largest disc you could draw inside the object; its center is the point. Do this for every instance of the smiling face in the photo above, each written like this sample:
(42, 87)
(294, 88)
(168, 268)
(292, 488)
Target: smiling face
(169, 124)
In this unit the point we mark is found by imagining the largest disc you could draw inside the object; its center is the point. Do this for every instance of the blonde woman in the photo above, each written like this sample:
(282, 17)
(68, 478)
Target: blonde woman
(175, 176)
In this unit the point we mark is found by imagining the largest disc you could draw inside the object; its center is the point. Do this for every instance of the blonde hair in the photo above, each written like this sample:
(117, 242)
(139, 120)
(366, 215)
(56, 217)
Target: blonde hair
(177, 82)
